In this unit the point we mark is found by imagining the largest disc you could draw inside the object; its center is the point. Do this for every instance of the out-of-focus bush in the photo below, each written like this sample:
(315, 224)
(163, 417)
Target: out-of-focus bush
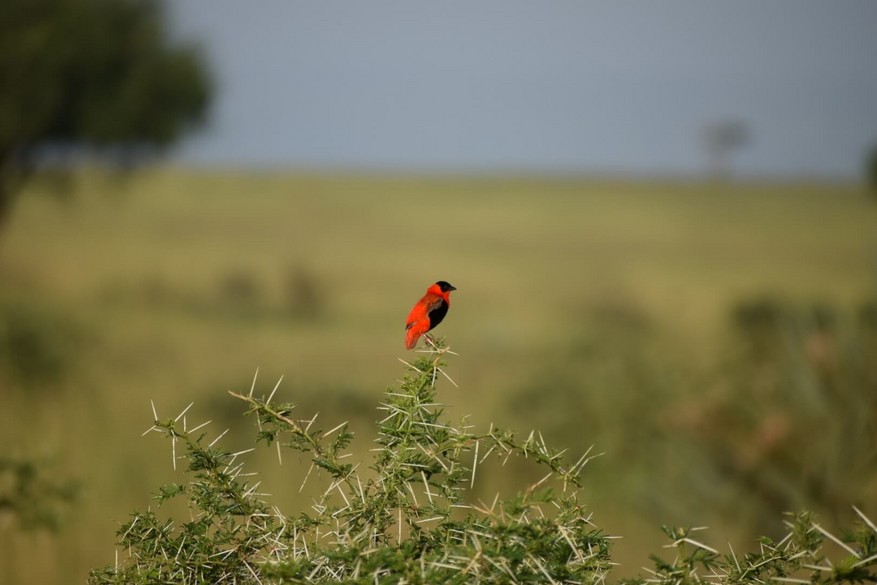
(603, 383)
(237, 293)
(785, 417)
(240, 289)
(37, 347)
(304, 295)
(30, 494)
(793, 423)
(32, 498)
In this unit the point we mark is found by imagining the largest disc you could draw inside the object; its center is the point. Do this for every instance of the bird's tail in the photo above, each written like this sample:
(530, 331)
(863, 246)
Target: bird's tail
(411, 338)
(417, 329)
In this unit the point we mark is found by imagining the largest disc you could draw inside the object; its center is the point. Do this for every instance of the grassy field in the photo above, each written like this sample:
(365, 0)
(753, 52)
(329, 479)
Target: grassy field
(176, 285)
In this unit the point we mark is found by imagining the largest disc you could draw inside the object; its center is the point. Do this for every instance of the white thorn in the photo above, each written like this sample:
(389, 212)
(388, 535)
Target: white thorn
(201, 426)
(448, 377)
(865, 519)
(179, 416)
(217, 438)
(253, 387)
(836, 540)
(474, 465)
(276, 386)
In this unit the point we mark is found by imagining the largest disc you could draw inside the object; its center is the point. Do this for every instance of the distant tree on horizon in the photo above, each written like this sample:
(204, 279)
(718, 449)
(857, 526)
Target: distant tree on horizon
(871, 169)
(720, 140)
(90, 77)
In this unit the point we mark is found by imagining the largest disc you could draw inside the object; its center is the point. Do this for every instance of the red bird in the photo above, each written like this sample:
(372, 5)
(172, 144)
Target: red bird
(428, 312)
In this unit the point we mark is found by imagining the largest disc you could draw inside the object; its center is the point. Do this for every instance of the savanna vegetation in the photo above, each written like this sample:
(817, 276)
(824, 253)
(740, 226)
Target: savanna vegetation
(717, 342)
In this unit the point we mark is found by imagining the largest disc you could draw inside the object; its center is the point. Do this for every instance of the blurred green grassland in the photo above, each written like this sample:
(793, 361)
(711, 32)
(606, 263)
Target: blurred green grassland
(718, 341)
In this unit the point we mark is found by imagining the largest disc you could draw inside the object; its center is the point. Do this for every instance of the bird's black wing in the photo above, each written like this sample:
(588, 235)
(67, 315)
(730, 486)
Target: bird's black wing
(437, 313)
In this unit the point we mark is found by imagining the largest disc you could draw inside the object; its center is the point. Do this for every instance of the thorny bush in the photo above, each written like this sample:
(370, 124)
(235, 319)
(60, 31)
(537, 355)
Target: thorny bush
(409, 520)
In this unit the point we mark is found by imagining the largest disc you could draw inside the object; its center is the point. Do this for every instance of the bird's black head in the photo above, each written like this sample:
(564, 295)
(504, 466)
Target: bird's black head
(445, 286)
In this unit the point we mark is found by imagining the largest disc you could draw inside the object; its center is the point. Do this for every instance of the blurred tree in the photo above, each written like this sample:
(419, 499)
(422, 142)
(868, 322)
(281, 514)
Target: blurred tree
(720, 140)
(90, 77)
(871, 169)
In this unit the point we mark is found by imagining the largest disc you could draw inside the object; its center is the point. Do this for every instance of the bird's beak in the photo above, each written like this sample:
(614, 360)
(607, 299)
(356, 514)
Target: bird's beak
(452, 288)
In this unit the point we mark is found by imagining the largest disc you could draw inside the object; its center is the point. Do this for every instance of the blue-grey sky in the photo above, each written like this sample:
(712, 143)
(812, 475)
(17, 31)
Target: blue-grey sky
(535, 86)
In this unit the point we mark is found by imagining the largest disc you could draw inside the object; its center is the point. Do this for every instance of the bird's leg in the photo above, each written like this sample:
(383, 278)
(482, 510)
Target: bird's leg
(429, 339)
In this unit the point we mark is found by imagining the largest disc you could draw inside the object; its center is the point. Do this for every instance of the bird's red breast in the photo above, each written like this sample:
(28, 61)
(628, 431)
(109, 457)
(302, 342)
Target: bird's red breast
(427, 312)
